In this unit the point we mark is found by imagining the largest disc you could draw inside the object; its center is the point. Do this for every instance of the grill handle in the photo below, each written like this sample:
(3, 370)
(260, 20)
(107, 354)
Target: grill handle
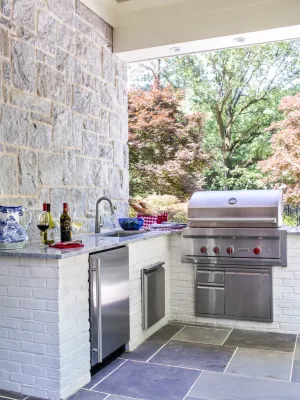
(254, 220)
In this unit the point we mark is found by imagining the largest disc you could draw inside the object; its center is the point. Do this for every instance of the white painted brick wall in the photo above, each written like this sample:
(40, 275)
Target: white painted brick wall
(286, 292)
(44, 326)
(143, 254)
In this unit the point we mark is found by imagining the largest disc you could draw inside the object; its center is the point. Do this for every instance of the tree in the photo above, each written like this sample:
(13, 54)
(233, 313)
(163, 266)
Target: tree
(165, 146)
(283, 167)
(239, 91)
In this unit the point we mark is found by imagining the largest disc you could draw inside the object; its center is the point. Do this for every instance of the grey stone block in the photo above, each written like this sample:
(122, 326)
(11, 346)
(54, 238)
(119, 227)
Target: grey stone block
(106, 94)
(51, 84)
(8, 174)
(57, 198)
(105, 126)
(81, 44)
(69, 94)
(93, 58)
(108, 65)
(115, 126)
(5, 8)
(65, 38)
(46, 31)
(77, 131)
(70, 167)
(40, 137)
(89, 144)
(27, 172)
(24, 13)
(106, 152)
(84, 172)
(14, 126)
(62, 126)
(69, 66)
(100, 173)
(82, 27)
(4, 43)
(64, 10)
(89, 124)
(49, 60)
(50, 169)
(30, 102)
(90, 17)
(86, 102)
(78, 199)
(118, 154)
(24, 67)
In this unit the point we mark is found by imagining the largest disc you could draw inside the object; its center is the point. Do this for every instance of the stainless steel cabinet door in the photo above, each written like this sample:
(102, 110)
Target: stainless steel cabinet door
(109, 302)
(248, 293)
(210, 276)
(210, 300)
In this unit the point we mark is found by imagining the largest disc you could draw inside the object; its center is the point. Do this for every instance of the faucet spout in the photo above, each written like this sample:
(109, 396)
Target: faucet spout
(98, 224)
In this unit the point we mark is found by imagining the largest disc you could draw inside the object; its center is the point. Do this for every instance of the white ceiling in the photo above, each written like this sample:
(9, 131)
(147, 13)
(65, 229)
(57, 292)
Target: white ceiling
(146, 29)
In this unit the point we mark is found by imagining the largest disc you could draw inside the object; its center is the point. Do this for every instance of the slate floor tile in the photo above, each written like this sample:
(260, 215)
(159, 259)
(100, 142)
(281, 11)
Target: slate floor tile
(164, 334)
(261, 364)
(83, 394)
(115, 397)
(12, 395)
(149, 382)
(203, 334)
(104, 372)
(142, 352)
(217, 386)
(296, 365)
(261, 340)
(194, 355)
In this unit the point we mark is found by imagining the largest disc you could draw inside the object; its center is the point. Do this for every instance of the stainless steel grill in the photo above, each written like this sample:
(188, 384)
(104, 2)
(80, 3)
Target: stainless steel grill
(234, 239)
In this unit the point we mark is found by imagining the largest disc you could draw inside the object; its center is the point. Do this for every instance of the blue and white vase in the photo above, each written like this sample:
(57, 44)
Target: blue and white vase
(14, 222)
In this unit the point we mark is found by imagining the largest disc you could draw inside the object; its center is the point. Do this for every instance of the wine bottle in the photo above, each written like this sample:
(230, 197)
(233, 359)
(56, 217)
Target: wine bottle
(50, 231)
(65, 225)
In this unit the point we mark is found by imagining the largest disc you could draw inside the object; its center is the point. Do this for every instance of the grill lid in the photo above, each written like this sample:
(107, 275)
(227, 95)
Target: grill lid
(238, 208)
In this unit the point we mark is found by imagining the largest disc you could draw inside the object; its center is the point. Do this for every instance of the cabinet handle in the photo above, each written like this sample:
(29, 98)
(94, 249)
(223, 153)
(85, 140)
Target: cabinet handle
(210, 287)
(248, 273)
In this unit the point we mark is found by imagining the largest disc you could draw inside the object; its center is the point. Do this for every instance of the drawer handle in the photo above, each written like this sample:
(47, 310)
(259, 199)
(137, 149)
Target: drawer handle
(210, 287)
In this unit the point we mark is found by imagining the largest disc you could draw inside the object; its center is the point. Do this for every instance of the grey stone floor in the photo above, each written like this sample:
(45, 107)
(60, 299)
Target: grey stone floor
(182, 362)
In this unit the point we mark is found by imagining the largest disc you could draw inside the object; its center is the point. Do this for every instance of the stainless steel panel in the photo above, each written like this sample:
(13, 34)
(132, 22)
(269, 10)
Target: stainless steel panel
(248, 293)
(209, 300)
(210, 276)
(153, 294)
(109, 302)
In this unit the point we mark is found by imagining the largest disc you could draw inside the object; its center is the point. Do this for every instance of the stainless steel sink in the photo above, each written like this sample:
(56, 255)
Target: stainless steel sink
(124, 234)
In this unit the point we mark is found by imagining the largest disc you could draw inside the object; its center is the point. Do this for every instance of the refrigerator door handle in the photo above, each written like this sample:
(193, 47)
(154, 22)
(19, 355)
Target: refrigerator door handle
(95, 297)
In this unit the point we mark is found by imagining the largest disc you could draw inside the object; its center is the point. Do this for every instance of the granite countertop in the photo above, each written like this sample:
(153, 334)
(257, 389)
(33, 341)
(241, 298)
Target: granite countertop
(92, 243)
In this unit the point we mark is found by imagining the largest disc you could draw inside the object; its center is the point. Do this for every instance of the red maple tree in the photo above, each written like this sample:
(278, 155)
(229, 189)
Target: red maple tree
(283, 168)
(165, 145)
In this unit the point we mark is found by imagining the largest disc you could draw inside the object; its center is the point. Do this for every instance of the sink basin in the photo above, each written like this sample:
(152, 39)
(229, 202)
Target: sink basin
(124, 234)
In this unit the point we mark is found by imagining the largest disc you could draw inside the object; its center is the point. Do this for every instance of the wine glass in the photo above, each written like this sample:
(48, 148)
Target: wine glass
(78, 220)
(43, 225)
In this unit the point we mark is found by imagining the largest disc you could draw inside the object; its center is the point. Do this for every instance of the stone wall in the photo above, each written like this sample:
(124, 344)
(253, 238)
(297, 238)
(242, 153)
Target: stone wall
(63, 108)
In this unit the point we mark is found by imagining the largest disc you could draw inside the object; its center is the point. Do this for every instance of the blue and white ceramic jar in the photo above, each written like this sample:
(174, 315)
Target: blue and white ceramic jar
(14, 222)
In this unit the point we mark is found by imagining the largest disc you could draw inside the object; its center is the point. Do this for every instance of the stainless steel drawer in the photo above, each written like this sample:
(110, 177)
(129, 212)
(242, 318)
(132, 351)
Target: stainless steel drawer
(210, 300)
(210, 276)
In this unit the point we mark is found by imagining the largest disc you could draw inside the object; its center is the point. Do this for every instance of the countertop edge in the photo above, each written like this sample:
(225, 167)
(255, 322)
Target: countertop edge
(33, 251)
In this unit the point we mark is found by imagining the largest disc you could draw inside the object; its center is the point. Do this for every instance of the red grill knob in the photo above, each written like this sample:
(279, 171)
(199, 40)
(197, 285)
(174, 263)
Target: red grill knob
(257, 250)
(217, 250)
(203, 249)
(230, 250)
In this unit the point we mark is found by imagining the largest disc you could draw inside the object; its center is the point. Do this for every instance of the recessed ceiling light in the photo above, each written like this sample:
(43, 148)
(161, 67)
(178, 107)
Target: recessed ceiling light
(240, 39)
(175, 49)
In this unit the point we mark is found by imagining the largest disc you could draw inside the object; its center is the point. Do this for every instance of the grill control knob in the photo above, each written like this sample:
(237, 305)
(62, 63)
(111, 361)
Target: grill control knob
(257, 250)
(217, 250)
(203, 250)
(230, 250)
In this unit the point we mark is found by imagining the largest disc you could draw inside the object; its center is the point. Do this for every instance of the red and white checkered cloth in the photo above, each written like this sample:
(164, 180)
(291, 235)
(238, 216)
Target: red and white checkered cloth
(153, 219)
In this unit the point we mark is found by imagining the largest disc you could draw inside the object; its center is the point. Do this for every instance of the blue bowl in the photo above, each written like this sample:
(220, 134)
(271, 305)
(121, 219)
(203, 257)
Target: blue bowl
(131, 224)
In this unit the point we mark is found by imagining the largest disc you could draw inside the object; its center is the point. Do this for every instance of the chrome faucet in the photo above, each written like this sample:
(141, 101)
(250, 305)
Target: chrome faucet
(98, 224)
